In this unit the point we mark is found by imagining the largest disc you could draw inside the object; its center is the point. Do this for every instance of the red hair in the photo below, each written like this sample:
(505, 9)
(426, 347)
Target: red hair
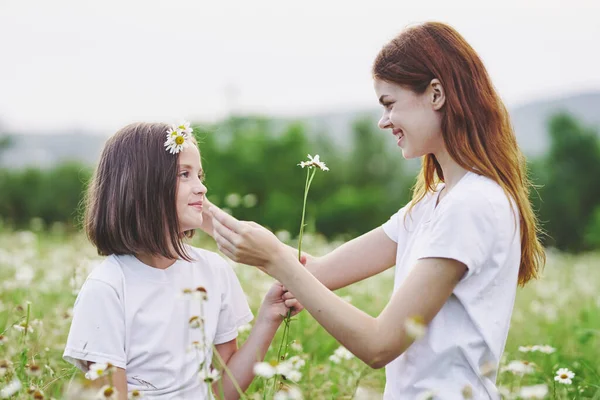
(476, 126)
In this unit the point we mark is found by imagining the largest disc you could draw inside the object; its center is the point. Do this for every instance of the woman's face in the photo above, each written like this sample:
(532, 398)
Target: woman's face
(414, 119)
(190, 189)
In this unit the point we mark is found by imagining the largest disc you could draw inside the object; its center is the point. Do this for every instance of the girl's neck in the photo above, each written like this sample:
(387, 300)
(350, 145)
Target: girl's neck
(159, 262)
(452, 171)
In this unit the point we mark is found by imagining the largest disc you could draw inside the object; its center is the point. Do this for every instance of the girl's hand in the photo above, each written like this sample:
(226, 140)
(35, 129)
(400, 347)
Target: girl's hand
(276, 304)
(246, 242)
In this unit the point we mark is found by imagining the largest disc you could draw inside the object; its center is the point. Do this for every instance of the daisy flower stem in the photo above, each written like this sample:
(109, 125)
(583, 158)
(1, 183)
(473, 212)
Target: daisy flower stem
(283, 346)
(27, 320)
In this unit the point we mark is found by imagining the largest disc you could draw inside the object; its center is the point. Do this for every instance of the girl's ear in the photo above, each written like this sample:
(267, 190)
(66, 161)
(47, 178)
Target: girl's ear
(437, 94)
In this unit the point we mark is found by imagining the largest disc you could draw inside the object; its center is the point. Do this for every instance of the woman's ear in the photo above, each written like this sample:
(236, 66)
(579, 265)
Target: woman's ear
(438, 96)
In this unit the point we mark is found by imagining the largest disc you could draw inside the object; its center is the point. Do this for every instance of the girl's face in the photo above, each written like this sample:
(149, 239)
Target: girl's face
(413, 118)
(190, 189)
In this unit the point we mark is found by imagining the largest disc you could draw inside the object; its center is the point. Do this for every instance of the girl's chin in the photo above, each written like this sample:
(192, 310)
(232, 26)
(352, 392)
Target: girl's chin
(191, 225)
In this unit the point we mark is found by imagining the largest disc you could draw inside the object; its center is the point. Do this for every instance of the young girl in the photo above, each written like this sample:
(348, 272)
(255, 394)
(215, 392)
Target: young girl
(460, 247)
(156, 306)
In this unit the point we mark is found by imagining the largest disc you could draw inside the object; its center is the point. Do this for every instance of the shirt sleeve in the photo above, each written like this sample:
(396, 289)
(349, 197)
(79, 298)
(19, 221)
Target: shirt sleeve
(235, 310)
(394, 227)
(464, 231)
(97, 331)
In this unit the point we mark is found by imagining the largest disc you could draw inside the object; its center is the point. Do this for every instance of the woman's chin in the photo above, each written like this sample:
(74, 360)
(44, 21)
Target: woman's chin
(408, 155)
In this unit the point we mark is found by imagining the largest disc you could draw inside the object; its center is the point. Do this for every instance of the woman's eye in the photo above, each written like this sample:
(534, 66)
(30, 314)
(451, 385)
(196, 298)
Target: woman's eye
(388, 105)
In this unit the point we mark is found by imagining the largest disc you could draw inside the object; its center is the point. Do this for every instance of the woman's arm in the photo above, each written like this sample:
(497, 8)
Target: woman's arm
(376, 341)
(358, 259)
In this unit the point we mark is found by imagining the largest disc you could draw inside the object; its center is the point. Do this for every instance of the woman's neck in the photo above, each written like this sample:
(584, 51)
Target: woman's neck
(159, 262)
(452, 171)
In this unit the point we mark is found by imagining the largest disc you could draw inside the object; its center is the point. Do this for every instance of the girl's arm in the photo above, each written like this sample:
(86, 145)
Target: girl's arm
(376, 341)
(240, 362)
(118, 380)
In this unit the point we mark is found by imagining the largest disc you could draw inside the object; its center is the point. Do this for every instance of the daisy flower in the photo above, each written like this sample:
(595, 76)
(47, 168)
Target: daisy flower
(564, 376)
(415, 327)
(264, 370)
(13, 387)
(22, 327)
(296, 346)
(33, 370)
(314, 163)
(518, 367)
(184, 127)
(534, 392)
(97, 370)
(195, 322)
(176, 142)
(288, 393)
(108, 392)
(134, 394)
(200, 293)
(209, 377)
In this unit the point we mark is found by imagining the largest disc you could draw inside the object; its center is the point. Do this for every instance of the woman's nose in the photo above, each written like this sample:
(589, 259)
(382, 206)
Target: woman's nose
(384, 122)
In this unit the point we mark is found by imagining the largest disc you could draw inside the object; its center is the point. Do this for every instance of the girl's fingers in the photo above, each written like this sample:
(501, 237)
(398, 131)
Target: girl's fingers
(291, 303)
(288, 295)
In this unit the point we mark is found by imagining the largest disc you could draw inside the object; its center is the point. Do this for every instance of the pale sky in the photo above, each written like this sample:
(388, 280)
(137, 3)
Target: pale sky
(96, 66)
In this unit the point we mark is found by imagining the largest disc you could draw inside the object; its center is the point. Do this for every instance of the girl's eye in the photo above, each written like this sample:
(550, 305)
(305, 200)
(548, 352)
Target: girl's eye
(201, 177)
(184, 174)
(388, 106)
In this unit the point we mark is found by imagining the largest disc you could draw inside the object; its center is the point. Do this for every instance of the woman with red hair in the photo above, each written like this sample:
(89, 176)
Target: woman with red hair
(461, 246)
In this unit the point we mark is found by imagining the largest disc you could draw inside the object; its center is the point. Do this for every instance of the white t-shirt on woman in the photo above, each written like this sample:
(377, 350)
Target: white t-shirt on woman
(138, 318)
(474, 223)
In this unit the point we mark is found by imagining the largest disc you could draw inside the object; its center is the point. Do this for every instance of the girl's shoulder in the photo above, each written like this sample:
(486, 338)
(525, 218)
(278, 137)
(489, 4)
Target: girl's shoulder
(109, 271)
(207, 259)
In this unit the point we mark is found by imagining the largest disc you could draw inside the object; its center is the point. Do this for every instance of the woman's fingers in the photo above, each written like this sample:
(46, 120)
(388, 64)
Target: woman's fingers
(225, 219)
(225, 233)
(223, 243)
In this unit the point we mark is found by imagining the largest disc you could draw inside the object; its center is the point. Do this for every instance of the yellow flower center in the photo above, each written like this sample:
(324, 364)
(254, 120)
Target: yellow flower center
(108, 392)
(179, 140)
(564, 376)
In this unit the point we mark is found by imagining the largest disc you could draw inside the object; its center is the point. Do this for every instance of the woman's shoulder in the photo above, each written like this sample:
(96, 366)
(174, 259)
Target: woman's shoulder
(478, 193)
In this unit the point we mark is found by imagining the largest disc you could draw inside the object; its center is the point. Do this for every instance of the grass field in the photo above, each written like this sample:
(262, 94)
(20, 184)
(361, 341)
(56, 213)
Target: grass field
(41, 272)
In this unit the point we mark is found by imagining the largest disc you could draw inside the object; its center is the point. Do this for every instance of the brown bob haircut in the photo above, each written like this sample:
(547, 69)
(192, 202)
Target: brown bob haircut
(130, 206)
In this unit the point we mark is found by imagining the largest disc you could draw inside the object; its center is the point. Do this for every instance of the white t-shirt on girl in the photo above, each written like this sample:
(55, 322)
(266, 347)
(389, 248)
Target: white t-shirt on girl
(474, 223)
(138, 318)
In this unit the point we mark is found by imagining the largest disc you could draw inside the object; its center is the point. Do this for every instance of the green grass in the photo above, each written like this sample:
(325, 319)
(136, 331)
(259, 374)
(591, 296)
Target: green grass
(562, 310)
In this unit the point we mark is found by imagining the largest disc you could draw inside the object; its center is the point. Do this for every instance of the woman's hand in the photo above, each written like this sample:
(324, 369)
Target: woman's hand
(246, 242)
